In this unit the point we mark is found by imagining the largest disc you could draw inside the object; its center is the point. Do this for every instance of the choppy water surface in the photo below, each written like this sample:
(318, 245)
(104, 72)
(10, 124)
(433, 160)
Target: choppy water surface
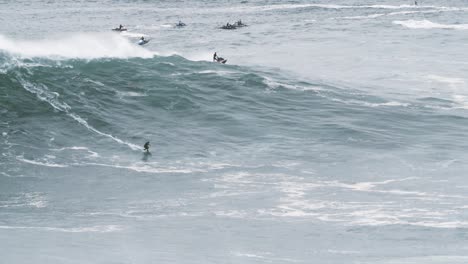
(336, 132)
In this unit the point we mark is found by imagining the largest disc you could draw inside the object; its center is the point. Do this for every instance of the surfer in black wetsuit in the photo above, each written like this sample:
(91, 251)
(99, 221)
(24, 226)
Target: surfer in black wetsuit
(146, 146)
(215, 57)
(120, 27)
(415, 3)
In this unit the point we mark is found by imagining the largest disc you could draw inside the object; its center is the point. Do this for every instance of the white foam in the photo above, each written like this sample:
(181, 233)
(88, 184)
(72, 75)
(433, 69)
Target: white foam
(363, 103)
(130, 94)
(286, 6)
(272, 84)
(142, 167)
(249, 255)
(118, 140)
(91, 229)
(419, 12)
(391, 6)
(220, 73)
(225, 193)
(231, 213)
(6, 174)
(391, 103)
(399, 208)
(325, 6)
(43, 93)
(260, 8)
(334, 6)
(266, 8)
(195, 56)
(445, 79)
(392, 220)
(46, 164)
(457, 85)
(265, 257)
(78, 45)
(426, 24)
(133, 34)
(72, 148)
(363, 17)
(92, 153)
(94, 82)
(395, 13)
(343, 252)
(35, 200)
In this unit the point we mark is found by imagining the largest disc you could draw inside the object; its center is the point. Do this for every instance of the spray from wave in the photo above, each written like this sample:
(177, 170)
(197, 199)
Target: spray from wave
(76, 46)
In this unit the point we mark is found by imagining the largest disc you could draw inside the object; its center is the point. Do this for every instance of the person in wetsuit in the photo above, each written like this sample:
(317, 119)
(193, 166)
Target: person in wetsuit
(146, 146)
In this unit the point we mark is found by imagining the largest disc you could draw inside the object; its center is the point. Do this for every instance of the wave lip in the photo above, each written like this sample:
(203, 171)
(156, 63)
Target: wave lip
(426, 24)
(76, 46)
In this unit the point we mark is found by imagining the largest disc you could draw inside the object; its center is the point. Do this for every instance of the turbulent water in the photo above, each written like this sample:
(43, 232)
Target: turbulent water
(336, 132)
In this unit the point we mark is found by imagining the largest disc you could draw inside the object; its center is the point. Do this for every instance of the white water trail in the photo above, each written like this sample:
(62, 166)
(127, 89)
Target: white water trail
(42, 92)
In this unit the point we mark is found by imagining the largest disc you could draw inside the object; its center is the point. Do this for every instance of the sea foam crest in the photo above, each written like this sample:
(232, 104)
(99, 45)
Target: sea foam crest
(426, 24)
(76, 46)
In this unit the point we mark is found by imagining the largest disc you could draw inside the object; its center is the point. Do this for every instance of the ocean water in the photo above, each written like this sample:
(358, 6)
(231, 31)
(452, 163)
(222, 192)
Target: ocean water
(336, 132)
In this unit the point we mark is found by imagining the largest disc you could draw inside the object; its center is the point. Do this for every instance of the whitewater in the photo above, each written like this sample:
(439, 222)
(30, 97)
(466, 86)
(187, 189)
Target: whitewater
(335, 133)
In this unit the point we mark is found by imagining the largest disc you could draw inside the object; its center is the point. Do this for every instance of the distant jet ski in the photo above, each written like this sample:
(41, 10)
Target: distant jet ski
(180, 24)
(218, 59)
(119, 29)
(142, 42)
(229, 26)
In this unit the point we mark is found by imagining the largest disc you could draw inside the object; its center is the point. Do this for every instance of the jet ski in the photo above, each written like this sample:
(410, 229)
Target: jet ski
(119, 29)
(229, 26)
(221, 60)
(142, 42)
(180, 24)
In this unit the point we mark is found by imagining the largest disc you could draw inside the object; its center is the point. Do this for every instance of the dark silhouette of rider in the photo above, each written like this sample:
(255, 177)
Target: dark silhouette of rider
(146, 146)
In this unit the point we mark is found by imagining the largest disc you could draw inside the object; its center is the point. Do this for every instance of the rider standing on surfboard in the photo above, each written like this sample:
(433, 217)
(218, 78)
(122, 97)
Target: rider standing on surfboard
(146, 146)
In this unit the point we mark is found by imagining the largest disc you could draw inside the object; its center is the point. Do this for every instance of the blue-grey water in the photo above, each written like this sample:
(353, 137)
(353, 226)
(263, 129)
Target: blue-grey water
(336, 132)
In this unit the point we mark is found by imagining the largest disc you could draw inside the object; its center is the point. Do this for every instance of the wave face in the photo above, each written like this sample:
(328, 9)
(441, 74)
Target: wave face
(331, 127)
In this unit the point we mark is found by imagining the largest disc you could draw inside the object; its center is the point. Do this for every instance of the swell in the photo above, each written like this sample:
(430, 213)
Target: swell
(123, 101)
(110, 105)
